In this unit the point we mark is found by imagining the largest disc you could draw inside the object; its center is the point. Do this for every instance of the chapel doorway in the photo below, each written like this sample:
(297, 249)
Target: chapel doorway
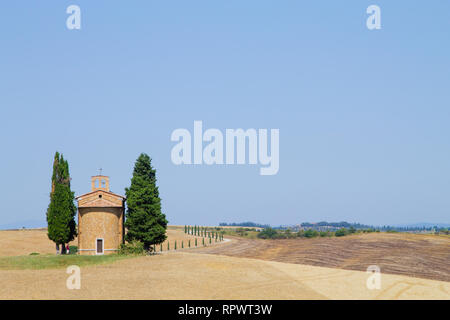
(99, 246)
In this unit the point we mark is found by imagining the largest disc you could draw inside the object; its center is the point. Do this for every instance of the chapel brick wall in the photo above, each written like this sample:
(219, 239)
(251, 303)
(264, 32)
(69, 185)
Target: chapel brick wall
(95, 222)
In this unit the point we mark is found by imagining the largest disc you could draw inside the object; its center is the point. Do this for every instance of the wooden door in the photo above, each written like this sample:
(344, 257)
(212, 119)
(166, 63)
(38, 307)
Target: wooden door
(99, 246)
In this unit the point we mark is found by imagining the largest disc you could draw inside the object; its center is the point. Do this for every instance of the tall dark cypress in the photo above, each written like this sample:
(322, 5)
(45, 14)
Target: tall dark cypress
(144, 220)
(61, 210)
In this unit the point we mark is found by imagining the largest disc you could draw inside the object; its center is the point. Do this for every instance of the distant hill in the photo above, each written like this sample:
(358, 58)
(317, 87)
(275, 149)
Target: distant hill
(342, 224)
(28, 224)
(244, 224)
(424, 225)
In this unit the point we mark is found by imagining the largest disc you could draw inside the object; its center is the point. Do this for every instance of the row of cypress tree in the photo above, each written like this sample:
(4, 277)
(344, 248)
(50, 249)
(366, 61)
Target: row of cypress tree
(203, 232)
(218, 238)
(144, 220)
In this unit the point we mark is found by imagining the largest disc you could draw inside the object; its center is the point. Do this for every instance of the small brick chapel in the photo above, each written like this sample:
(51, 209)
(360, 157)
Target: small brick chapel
(101, 217)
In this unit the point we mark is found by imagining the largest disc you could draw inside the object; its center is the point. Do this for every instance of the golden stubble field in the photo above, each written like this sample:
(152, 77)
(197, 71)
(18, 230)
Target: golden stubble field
(195, 274)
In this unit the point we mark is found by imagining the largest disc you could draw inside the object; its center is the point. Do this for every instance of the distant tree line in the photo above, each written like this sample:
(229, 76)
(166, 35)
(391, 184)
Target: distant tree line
(342, 224)
(244, 224)
(324, 225)
(271, 233)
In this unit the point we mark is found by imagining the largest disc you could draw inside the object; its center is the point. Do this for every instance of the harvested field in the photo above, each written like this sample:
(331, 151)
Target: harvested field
(193, 274)
(421, 256)
(183, 275)
(24, 242)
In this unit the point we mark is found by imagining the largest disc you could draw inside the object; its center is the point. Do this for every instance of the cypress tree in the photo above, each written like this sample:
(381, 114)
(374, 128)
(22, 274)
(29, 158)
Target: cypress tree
(61, 210)
(144, 220)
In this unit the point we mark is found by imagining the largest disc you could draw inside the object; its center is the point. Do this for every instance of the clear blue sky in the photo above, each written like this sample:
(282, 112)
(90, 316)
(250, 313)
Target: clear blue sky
(363, 115)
